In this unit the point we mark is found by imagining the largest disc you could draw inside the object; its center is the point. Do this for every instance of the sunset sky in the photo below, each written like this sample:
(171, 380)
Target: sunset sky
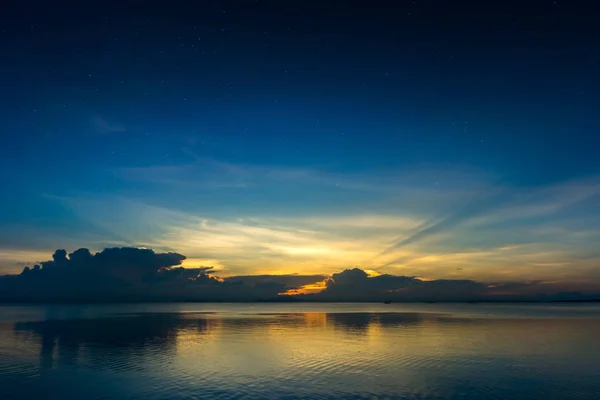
(262, 140)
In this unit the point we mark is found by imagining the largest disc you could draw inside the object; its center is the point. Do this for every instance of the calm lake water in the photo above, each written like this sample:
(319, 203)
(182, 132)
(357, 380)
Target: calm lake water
(300, 351)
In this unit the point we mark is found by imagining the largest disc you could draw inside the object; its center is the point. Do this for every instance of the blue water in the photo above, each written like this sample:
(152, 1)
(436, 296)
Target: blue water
(300, 351)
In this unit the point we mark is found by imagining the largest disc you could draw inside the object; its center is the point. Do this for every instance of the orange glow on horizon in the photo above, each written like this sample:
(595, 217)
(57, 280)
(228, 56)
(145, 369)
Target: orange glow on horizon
(425, 279)
(307, 289)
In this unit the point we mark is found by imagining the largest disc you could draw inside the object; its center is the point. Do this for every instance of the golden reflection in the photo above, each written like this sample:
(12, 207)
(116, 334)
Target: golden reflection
(201, 333)
(315, 319)
(375, 331)
(320, 335)
(276, 341)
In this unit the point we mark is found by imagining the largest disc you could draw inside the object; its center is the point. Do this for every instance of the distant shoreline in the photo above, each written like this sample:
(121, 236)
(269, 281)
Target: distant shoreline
(8, 303)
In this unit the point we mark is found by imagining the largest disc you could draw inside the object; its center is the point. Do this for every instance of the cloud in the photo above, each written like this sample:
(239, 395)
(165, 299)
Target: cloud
(454, 224)
(128, 264)
(104, 126)
(508, 234)
(14, 260)
(289, 281)
(254, 245)
(500, 233)
(478, 206)
(135, 274)
(81, 275)
(356, 285)
(414, 190)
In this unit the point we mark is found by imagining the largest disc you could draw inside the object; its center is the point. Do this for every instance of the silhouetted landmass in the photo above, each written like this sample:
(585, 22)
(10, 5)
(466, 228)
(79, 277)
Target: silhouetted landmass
(141, 275)
(578, 301)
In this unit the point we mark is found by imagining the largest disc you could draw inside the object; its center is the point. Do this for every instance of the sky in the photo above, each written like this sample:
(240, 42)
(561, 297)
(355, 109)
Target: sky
(431, 139)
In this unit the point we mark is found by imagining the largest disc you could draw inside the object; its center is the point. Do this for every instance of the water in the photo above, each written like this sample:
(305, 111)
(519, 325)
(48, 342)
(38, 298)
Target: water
(300, 351)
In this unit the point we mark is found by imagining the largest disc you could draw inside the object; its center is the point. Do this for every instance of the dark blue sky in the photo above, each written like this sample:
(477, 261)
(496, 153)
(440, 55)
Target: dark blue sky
(251, 133)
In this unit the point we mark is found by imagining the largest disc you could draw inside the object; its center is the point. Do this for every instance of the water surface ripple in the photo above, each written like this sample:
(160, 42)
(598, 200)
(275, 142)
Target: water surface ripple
(300, 351)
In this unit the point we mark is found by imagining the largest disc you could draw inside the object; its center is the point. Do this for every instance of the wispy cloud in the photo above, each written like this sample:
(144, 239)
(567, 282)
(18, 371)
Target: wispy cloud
(104, 126)
(476, 207)
(203, 172)
(463, 225)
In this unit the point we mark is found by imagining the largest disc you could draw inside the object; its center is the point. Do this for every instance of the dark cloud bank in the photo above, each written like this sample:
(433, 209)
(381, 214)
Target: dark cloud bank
(132, 274)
